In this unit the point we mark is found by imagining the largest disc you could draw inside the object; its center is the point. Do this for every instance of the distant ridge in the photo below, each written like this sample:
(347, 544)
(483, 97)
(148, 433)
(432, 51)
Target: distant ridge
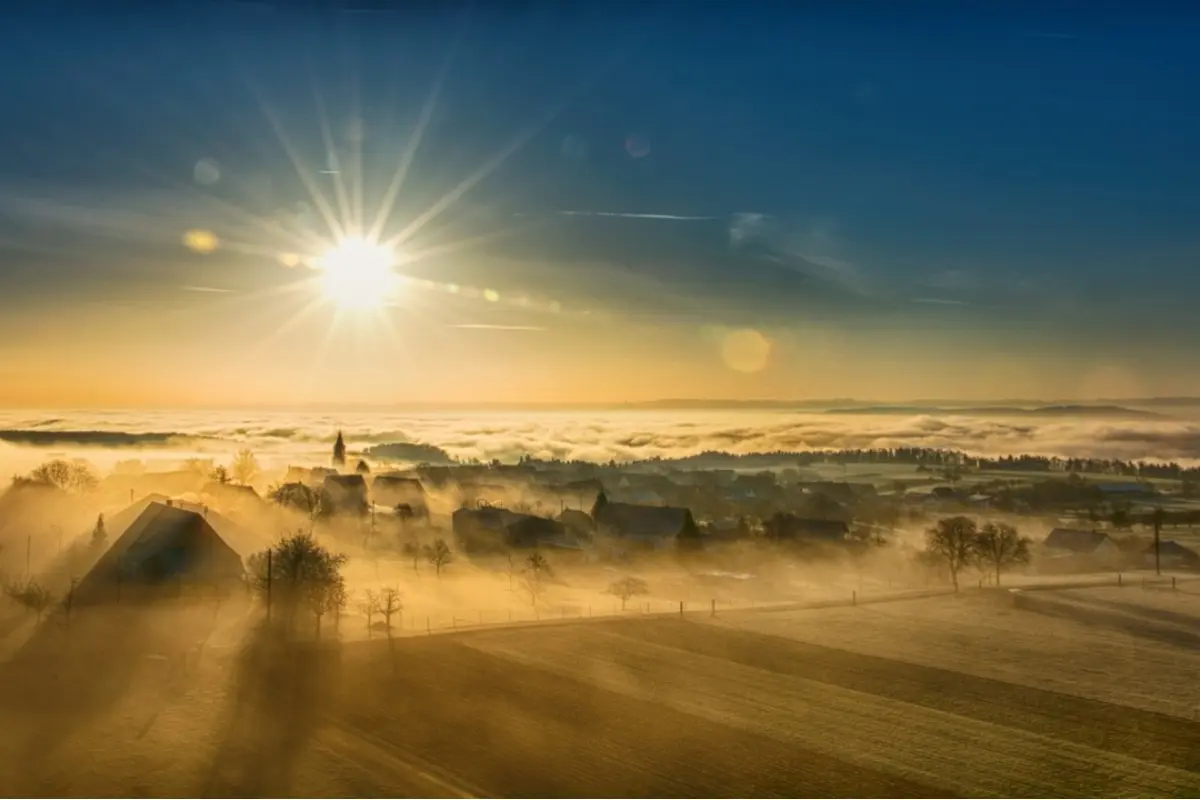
(930, 407)
(1107, 411)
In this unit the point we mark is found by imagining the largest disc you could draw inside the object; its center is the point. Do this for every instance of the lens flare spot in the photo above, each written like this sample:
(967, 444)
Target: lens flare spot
(746, 350)
(491, 295)
(637, 145)
(206, 172)
(201, 241)
(289, 260)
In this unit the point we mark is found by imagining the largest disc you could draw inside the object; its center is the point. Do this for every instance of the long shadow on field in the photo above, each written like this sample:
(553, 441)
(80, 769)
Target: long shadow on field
(280, 690)
(519, 731)
(1160, 614)
(1150, 736)
(1120, 622)
(66, 676)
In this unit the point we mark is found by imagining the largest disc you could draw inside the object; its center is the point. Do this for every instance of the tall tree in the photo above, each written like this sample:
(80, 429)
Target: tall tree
(626, 588)
(952, 542)
(298, 570)
(439, 555)
(999, 545)
(245, 467)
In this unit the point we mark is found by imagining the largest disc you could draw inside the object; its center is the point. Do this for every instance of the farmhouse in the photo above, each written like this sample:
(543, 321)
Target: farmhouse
(480, 530)
(654, 527)
(393, 490)
(789, 527)
(348, 493)
(1083, 548)
(164, 549)
(1173, 555)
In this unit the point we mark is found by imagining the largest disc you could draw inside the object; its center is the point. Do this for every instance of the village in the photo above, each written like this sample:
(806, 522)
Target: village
(574, 514)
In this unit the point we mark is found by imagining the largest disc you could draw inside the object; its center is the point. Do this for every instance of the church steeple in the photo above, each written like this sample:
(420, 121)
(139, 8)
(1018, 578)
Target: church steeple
(339, 452)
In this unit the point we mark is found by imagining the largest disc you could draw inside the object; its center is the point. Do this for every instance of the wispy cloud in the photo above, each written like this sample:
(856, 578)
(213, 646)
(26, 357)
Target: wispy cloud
(627, 215)
(206, 289)
(483, 326)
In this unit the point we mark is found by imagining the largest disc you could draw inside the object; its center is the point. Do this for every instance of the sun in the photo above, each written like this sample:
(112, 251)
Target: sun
(357, 274)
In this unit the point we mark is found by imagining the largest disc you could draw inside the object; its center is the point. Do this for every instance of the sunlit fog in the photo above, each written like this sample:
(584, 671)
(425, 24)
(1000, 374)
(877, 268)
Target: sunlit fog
(598, 400)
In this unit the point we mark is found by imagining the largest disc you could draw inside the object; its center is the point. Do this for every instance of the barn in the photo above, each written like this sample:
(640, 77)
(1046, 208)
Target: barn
(164, 551)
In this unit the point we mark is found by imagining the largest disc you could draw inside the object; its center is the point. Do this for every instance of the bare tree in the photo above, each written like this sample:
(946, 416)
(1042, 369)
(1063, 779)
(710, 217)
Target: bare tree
(952, 542)
(219, 474)
(512, 571)
(998, 545)
(536, 567)
(32, 596)
(245, 467)
(369, 606)
(627, 588)
(439, 555)
(413, 550)
(303, 498)
(389, 605)
(326, 596)
(71, 476)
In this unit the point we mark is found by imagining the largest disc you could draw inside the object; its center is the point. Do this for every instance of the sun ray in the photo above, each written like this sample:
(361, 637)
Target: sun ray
(414, 142)
(314, 191)
(339, 185)
(499, 157)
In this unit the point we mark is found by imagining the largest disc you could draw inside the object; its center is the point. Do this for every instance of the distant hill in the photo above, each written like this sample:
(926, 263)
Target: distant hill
(1106, 412)
(410, 451)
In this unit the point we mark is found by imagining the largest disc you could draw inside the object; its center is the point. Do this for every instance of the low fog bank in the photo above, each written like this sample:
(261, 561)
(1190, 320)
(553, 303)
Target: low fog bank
(596, 436)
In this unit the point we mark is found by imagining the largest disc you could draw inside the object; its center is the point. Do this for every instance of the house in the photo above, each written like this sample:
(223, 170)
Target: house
(161, 551)
(654, 527)
(577, 522)
(393, 490)
(789, 527)
(1085, 548)
(347, 493)
(233, 495)
(579, 494)
(1172, 555)
(310, 477)
(481, 530)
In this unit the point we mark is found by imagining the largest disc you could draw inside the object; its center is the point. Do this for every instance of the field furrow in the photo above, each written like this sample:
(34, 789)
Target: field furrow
(842, 723)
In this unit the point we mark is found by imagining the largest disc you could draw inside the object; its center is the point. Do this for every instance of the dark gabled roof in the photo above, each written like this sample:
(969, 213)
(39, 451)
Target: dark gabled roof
(1173, 548)
(792, 526)
(237, 490)
(352, 481)
(158, 527)
(1077, 541)
(628, 519)
(400, 481)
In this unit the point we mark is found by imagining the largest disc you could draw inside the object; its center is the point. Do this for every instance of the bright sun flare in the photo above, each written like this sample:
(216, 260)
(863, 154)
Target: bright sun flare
(357, 274)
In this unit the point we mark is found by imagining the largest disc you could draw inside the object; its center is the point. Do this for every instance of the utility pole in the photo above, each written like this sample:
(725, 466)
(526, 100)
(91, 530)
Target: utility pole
(269, 552)
(1157, 519)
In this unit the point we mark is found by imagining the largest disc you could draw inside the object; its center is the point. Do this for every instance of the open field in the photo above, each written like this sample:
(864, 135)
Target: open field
(1133, 646)
(965, 696)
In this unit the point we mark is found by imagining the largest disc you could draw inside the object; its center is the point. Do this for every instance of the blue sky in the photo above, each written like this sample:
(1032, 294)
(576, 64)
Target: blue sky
(996, 176)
